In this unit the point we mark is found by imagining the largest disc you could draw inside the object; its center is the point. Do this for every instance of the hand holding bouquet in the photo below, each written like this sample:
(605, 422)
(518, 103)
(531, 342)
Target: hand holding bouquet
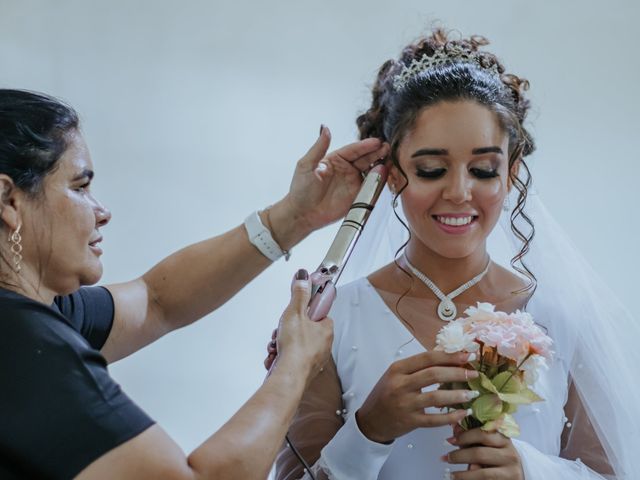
(510, 351)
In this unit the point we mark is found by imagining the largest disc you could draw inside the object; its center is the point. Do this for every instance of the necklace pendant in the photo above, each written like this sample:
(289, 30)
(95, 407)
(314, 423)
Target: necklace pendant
(447, 311)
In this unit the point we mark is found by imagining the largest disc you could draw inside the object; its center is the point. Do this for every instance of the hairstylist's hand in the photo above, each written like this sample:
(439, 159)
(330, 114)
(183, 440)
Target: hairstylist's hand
(324, 185)
(490, 455)
(300, 341)
(396, 404)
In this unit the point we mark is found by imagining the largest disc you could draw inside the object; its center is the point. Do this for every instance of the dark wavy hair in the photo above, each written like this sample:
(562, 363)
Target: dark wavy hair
(393, 112)
(34, 132)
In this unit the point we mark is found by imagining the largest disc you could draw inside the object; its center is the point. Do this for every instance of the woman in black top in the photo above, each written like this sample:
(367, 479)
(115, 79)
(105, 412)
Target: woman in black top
(61, 414)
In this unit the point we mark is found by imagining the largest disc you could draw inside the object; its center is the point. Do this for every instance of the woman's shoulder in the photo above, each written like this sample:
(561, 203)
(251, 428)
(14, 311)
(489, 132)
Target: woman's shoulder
(22, 313)
(27, 325)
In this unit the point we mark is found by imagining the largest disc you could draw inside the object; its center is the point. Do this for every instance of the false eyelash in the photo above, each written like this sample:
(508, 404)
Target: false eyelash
(437, 173)
(478, 172)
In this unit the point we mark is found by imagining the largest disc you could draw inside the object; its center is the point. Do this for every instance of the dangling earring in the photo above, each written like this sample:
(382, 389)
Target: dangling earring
(15, 239)
(506, 206)
(394, 200)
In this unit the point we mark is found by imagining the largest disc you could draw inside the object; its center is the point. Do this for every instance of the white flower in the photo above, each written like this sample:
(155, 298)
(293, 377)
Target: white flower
(453, 338)
(481, 310)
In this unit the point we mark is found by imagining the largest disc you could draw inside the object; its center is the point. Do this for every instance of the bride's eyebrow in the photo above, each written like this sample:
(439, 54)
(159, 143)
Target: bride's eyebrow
(483, 150)
(437, 152)
(441, 152)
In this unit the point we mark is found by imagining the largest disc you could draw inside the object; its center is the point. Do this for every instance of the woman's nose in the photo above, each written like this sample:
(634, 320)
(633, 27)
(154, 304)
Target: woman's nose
(457, 190)
(103, 214)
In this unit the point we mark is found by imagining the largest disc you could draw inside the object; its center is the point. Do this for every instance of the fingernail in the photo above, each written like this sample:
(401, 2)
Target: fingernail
(302, 274)
(445, 458)
(472, 357)
(471, 374)
(452, 440)
(321, 129)
(469, 412)
(321, 167)
(472, 394)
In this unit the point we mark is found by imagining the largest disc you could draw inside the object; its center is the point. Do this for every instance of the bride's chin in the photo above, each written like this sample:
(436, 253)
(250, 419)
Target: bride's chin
(451, 248)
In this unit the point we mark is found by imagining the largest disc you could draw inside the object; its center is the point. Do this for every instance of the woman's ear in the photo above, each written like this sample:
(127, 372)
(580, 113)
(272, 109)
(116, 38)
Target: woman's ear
(10, 198)
(514, 170)
(395, 179)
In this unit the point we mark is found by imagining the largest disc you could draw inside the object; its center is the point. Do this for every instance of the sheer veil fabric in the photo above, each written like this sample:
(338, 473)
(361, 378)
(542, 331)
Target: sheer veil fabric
(595, 355)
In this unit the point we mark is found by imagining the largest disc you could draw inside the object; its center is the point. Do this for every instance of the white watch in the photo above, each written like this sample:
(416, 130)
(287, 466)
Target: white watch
(260, 236)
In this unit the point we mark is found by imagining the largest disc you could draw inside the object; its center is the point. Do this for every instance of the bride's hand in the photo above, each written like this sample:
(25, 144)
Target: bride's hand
(489, 454)
(396, 404)
(323, 187)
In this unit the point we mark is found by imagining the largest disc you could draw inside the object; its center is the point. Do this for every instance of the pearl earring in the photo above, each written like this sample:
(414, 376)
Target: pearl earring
(394, 200)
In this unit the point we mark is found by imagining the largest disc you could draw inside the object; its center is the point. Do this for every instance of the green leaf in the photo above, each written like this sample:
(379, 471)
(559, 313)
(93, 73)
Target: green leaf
(505, 424)
(506, 382)
(524, 397)
(474, 384)
(486, 384)
(487, 407)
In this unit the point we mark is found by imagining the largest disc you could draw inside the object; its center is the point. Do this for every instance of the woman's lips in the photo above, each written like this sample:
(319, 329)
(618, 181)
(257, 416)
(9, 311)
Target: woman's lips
(457, 223)
(94, 246)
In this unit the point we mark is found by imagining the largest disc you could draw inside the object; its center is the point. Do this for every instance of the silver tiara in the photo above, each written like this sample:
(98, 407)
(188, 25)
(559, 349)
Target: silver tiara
(443, 55)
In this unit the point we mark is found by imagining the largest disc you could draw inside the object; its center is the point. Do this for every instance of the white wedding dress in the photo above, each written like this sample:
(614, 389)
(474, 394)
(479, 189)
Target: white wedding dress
(595, 357)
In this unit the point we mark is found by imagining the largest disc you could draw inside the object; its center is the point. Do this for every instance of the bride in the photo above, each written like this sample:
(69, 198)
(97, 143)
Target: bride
(455, 122)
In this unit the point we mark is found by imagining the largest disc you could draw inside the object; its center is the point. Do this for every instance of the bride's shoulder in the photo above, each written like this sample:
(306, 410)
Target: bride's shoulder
(390, 278)
(509, 290)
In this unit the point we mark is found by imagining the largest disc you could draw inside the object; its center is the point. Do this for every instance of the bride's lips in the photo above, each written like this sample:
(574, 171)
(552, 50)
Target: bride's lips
(94, 246)
(455, 223)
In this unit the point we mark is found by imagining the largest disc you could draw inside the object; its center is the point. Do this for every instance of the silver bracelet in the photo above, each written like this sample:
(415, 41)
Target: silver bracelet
(261, 238)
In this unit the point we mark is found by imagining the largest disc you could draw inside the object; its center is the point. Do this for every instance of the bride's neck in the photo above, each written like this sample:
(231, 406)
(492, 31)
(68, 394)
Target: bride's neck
(447, 273)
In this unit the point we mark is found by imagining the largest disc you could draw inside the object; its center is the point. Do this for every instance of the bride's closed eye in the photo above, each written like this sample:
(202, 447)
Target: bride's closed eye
(435, 173)
(483, 173)
(431, 173)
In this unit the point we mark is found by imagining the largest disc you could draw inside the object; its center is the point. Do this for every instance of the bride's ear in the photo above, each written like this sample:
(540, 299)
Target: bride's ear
(514, 170)
(9, 202)
(395, 179)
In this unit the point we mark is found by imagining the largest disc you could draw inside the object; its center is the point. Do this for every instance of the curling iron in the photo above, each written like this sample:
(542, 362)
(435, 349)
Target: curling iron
(324, 279)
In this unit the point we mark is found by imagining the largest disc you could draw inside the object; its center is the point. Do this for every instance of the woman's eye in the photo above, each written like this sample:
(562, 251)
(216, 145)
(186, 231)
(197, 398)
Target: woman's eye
(432, 173)
(83, 188)
(482, 173)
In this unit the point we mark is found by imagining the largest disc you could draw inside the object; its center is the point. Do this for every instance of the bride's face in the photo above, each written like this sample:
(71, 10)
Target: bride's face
(456, 162)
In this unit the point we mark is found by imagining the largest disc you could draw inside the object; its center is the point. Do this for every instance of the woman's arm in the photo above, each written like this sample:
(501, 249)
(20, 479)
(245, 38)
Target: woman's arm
(314, 425)
(245, 447)
(579, 440)
(198, 279)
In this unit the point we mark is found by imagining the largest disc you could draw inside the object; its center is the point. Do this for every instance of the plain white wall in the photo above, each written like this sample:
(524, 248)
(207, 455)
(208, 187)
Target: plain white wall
(196, 111)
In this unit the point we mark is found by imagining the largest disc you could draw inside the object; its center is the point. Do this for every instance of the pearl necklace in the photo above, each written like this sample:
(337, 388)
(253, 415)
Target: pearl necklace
(447, 310)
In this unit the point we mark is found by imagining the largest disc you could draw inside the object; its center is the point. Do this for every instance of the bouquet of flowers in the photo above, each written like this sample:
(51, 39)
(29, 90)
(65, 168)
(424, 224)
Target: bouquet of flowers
(510, 351)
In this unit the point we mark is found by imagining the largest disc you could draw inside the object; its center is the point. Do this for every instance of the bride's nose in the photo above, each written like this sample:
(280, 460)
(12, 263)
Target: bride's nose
(457, 189)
